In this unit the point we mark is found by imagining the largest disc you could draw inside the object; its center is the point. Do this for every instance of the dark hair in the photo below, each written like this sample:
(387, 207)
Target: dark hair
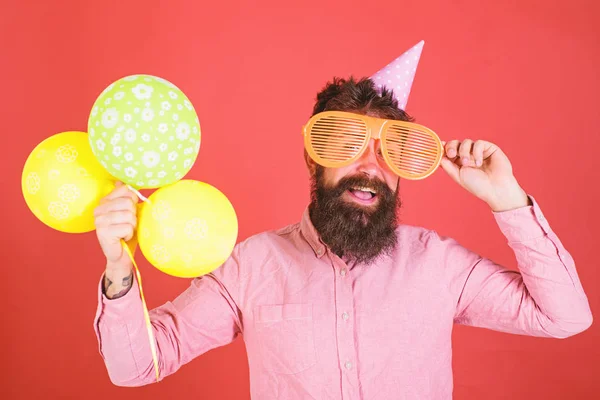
(361, 97)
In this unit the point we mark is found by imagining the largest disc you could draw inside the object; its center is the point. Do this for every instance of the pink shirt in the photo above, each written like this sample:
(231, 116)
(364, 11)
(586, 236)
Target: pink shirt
(317, 328)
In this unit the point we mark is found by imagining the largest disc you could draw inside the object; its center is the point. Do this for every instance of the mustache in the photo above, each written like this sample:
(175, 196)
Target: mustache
(349, 182)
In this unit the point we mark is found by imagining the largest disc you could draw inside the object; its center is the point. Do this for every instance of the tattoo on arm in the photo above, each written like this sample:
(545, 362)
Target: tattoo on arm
(121, 293)
(126, 283)
(107, 283)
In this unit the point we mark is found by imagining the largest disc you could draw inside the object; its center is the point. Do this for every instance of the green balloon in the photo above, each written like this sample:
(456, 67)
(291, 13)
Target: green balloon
(144, 131)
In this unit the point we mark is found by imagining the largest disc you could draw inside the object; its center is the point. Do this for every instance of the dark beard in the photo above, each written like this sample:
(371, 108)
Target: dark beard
(355, 233)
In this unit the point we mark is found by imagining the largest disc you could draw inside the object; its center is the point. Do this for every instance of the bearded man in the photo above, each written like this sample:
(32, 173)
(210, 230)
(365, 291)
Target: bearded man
(349, 303)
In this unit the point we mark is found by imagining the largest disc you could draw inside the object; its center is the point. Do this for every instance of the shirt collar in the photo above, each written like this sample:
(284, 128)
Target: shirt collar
(311, 235)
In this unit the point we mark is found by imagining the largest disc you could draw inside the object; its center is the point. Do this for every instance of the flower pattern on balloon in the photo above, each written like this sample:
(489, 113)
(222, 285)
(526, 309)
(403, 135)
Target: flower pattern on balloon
(58, 210)
(110, 117)
(161, 210)
(146, 114)
(196, 229)
(130, 135)
(32, 182)
(100, 145)
(160, 253)
(169, 232)
(130, 172)
(182, 131)
(53, 174)
(150, 159)
(68, 192)
(173, 156)
(142, 91)
(115, 139)
(66, 153)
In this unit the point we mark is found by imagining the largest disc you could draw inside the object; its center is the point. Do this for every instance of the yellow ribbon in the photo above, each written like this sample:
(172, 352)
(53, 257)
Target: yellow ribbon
(146, 315)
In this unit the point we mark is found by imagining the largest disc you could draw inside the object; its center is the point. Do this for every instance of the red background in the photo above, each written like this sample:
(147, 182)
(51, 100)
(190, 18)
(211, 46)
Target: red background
(522, 74)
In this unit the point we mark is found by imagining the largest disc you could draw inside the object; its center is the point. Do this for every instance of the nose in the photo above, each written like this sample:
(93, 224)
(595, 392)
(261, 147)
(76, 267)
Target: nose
(368, 163)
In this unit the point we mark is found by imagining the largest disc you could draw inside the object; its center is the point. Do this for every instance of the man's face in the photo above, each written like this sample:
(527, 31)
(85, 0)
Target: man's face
(371, 167)
(354, 207)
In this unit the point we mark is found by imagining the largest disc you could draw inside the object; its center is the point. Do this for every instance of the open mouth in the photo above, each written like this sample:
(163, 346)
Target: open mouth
(363, 194)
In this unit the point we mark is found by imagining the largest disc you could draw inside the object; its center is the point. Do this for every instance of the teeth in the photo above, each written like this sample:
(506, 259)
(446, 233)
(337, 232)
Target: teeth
(365, 189)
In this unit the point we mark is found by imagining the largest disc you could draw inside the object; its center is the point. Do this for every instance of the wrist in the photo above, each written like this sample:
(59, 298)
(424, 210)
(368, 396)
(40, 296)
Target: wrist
(509, 197)
(117, 283)
(118, 278)
(122, 264)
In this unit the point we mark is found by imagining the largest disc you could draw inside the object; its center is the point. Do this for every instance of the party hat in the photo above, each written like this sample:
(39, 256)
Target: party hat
(400, 73)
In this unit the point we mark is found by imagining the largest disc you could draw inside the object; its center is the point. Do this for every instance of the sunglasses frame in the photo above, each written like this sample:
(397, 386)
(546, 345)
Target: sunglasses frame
(376, 128)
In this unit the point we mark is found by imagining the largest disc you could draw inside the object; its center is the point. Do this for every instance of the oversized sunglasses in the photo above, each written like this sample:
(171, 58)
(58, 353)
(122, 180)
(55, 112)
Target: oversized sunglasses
(336, 139)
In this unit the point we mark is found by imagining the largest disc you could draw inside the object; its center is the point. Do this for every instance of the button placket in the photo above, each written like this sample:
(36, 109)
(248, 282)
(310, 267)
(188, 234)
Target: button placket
(345, 328)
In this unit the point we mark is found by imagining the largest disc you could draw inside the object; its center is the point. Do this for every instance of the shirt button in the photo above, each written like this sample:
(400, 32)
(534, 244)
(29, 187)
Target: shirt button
(320, 252)
(348, 365)
(345, 316)
(541, 217)
(343, 272)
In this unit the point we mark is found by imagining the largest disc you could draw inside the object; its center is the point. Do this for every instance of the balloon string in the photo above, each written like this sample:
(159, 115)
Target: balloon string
(146, 315)
(138, 194)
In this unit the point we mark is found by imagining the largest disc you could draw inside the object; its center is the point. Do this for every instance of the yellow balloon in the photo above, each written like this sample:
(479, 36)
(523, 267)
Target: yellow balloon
(62, 182)
(187, 229)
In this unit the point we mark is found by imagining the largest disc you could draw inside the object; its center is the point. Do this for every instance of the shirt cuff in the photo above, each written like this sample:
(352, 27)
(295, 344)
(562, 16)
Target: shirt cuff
(123, 307)
(524, 223)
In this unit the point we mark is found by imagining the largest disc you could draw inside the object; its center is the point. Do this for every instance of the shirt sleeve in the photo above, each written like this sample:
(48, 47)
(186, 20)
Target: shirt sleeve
(201, 318)
(543, 298)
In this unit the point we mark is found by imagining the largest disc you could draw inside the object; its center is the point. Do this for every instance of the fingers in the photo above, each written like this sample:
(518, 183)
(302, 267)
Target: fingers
(116, 218)
(119, 207)
(451, 169)
(469, 153)
(452, 149)
(118, 204)
(478, 148)
(464, 151)
(118, 232)
(124, 231)
(121, 190)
